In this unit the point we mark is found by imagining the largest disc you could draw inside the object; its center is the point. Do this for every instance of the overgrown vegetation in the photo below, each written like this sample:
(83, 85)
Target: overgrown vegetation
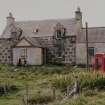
(47, 85)
(88, 80)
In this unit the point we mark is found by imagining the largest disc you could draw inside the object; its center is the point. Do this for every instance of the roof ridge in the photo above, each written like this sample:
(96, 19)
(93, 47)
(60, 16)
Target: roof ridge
(93, 27)
(56, 19)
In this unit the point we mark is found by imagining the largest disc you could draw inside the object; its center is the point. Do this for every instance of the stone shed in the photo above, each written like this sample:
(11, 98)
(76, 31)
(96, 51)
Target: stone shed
(28, 51)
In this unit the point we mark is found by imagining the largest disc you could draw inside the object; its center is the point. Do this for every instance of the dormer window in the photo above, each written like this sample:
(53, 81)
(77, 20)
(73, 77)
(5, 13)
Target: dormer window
(60, 31)
(36, 31)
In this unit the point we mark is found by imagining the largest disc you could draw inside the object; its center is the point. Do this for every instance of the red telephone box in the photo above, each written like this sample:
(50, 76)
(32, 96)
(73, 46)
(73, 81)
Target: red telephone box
(99, 61)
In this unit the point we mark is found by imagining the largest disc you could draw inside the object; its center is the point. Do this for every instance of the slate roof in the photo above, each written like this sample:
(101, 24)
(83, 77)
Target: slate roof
(95, 35)
(36, 42)
(7, 31)
(45, 27)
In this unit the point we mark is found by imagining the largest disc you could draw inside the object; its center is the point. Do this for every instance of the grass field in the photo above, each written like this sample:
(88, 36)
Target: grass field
(38, 83)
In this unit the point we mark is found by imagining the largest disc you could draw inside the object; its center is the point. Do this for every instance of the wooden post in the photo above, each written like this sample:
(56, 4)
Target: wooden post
(87, 55)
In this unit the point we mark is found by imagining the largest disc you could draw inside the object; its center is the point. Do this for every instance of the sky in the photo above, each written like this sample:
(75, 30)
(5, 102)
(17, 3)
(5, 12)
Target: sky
(93, 10)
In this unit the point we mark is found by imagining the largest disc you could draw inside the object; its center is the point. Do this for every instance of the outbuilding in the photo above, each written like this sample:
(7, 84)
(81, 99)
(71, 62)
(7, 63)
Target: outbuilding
(28, 51)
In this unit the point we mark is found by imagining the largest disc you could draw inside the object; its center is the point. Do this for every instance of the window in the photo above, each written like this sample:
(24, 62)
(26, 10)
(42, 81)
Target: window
(36, 30)
(58, 33)
(91, 51)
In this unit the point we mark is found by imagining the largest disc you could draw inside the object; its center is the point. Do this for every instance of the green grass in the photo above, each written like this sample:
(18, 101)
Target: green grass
(40, 80)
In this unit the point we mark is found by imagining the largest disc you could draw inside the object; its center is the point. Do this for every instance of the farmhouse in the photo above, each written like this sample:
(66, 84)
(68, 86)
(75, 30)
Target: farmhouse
(49, 41)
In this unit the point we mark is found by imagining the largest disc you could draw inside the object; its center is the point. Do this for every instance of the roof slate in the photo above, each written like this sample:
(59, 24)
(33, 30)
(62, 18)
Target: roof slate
(95, 35)
(36, 42)
(45, 27)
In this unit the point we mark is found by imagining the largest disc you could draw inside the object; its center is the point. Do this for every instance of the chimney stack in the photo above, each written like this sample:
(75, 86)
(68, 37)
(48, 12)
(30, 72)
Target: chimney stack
(78, 14)
(10, 19)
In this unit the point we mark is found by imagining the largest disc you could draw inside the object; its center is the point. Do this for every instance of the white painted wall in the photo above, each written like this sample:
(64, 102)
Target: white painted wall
(34, 56)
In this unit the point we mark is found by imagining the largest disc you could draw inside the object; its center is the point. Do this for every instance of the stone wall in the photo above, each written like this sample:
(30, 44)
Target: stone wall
(68, 52)
(48, 41)
(6, 50)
